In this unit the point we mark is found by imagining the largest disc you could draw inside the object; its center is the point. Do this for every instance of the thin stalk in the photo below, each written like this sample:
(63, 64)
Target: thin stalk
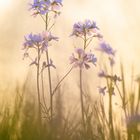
(85, 41)
(61, 81)
(81, 98)
(42, 18)
(43, 94)
(50, 86)
(111, 127)
(123, 91)
(81, 89)
(138, 103)
(119, 91)
(111, 117)
(49, 75)
(38, 87)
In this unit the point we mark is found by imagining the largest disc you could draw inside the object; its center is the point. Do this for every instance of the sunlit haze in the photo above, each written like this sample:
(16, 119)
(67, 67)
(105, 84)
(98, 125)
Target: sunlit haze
(118, 20)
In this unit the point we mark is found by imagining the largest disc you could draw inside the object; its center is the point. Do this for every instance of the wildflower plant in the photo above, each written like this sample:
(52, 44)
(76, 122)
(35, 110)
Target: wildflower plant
(82, 59)
(40, 43)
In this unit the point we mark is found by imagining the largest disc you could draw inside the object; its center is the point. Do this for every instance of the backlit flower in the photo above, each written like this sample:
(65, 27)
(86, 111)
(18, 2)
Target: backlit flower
(40, 40)
(43, 7)
(87, 27)
(102, 90)
(32, 40)
(40, 7)
(82, 59)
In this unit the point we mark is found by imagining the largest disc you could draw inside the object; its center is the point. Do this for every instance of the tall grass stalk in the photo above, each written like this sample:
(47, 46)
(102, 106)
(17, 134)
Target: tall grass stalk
(111, 126)
(124, 101)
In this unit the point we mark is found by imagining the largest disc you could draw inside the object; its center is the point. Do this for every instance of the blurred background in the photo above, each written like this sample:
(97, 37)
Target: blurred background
(118, 20)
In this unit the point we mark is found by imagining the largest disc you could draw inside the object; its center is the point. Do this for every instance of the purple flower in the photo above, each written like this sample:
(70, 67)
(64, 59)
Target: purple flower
(87, 27)
(106, 48)
(44, 6)
(40, 7)
(102, 90)
(32, 40)
(47, 36)
(83, 59)
(40, 40)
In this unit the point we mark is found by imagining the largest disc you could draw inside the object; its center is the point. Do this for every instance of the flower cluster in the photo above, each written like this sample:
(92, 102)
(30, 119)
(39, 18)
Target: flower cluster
(86, 28)
(83, 59)
(40, 40)
(102, 90)
(43, 7)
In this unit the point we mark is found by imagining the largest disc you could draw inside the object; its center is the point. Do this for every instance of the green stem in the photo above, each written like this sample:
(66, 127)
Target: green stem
(49, 75)
(38, 87)
(43, 94)
(81, 98)
(111, 126)
(61, 81)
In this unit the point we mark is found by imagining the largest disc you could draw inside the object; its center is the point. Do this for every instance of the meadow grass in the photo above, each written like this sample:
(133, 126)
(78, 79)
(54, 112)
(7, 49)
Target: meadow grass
(21, 122)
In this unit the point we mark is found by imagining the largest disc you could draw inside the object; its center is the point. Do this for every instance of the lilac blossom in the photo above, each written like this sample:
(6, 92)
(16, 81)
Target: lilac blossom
(43, 7)
(87, 27)
(102, 90)
(83, 59)
(55, 5)
(40, 7)
(32, 40)
(40, 40)
(106, 48)
(47, 36)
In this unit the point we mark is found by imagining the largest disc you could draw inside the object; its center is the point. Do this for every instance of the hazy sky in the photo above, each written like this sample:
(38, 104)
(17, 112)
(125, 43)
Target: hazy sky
(119, 21)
